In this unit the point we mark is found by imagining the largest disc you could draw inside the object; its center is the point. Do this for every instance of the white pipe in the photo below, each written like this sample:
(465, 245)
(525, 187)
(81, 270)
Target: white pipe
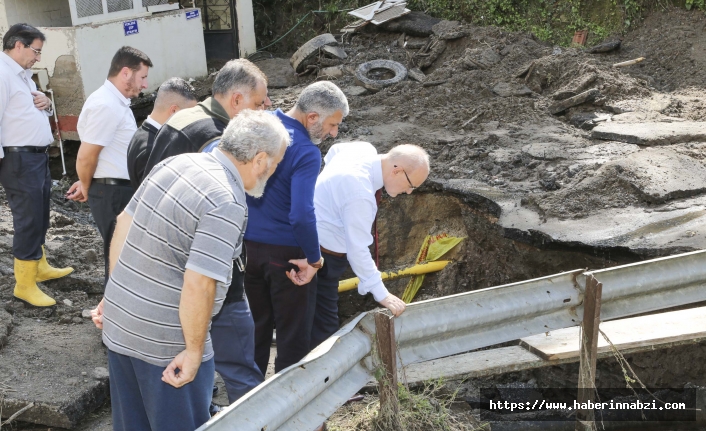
(58, 131)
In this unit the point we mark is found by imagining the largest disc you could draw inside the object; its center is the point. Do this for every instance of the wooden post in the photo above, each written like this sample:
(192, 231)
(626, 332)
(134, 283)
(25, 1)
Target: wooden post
(588, 352)
(387, 377)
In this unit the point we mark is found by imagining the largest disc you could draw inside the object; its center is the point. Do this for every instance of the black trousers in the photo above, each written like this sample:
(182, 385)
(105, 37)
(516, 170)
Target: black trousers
(326, 314)
(106, 202)
(277, 302)
(27, 183)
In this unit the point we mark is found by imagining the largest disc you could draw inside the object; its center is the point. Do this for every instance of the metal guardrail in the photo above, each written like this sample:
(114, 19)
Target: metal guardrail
(302, 396)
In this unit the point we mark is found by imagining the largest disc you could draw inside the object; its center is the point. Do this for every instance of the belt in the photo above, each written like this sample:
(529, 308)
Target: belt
(26, 149)
(112, 181)
(332, 253)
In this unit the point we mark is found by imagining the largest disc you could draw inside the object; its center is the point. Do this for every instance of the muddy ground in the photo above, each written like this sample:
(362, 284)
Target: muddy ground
(533, 193)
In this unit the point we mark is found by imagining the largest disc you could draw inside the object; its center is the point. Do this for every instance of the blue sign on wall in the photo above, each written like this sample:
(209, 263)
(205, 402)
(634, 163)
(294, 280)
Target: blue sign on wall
(130, 27)
(192, 14)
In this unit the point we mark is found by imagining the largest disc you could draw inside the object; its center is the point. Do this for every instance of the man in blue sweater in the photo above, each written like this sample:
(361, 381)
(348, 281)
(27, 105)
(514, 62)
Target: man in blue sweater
(282, 227)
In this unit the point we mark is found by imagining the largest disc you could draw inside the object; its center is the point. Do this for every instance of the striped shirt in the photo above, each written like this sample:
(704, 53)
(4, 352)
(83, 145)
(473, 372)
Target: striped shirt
(189, 213)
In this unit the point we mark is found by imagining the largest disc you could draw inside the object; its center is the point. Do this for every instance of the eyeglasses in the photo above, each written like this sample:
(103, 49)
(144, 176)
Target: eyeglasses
(411, 186)
(37, 52)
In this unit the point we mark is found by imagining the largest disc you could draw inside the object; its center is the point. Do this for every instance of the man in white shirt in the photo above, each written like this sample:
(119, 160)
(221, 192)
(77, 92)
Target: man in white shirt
(25, 137)
(345, 205)
(106, 126)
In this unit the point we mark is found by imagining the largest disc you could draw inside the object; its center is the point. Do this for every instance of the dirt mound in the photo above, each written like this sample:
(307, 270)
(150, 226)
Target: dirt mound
(673, 42)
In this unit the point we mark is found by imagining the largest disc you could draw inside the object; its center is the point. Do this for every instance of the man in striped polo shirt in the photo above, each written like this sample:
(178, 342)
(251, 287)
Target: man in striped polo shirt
(170, 267)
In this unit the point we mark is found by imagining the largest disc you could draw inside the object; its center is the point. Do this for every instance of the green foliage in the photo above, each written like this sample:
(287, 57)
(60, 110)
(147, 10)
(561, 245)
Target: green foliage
(696, 4)
(554, 21)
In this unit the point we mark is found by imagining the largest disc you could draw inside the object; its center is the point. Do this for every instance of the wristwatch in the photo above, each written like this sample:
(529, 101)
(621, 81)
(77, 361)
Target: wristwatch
(318, 264)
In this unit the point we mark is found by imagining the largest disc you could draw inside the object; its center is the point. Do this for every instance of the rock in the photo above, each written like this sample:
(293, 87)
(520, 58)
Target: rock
(448, 30)
(65, 320)
(68, 302)
(652, 133)
(5, 326)
(77, 320)
(413, 24)
(90, 255)
(86, 314)
(565, 104)
(279, 72)
(83, 373)
(416, 74)
(100, 373)
(57, 220)
(546, 151)
(355, 90)
(334, 72)
(335, 51)
(508, 89)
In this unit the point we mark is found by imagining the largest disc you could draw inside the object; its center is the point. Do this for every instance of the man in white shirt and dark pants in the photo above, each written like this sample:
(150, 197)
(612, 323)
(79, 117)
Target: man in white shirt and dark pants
(25, 137)
(345, 205)
(106, 126)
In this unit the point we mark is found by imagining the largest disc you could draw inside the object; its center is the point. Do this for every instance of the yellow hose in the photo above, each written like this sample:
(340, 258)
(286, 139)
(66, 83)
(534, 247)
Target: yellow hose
(423, 268)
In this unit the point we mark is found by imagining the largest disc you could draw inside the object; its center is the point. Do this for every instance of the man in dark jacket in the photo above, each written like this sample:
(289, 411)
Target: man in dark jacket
(239, 85)
(173, 95)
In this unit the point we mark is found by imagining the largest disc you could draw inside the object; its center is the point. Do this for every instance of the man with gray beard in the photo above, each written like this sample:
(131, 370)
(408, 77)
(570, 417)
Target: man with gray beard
(282, 243)
(171, 265)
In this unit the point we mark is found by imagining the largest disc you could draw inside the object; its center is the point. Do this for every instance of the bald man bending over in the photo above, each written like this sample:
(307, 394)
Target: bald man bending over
(345, 206)
(173, 95)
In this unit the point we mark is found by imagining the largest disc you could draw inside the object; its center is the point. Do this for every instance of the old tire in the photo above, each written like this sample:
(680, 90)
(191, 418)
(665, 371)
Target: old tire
(302, 58)
(361, 74)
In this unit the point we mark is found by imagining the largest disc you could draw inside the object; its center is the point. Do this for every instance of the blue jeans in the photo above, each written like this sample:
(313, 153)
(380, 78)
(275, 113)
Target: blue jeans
(233, 338)
(141, 401)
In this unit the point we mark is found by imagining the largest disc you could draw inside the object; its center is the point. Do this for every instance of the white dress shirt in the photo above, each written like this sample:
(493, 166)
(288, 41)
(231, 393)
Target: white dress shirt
(21, 123)
(345, 206)
(155, 124)
(107, 120)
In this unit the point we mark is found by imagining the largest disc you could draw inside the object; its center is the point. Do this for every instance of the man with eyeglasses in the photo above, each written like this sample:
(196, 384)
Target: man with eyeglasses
(25, 137)
(345, 205)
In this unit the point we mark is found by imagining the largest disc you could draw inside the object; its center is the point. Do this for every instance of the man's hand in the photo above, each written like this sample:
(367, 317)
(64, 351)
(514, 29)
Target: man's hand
(41, 101)
(77, 192)
(187, 363)
(394, 304)
(304, 275)
(97, 315)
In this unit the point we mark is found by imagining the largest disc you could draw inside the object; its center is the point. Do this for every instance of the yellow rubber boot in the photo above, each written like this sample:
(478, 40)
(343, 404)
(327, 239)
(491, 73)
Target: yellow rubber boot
(46, 272)
(26, 288)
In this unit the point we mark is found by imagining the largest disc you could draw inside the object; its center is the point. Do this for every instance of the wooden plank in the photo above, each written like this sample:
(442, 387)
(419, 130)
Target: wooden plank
(387, 380)
(474, 364)
(588, 350)
(630, 333)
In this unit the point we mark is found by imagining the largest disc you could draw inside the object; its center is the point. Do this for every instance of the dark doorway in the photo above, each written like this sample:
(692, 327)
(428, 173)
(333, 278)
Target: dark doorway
(220, 29)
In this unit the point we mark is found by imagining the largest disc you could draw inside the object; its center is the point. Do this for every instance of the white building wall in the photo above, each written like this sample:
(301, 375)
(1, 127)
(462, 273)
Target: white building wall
(174, 44)
(246, 28)
(39, 13)
(3, 19)
(60, 41)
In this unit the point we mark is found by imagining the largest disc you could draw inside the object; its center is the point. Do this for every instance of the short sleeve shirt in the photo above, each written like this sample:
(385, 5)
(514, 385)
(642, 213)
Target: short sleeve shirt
(189, 213)
(107, 120)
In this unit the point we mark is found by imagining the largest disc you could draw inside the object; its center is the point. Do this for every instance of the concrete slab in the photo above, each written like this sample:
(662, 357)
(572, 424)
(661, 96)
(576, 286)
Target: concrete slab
(678, 226)
(279, 72)
(56, 367)
(651, 133)
(661, 174)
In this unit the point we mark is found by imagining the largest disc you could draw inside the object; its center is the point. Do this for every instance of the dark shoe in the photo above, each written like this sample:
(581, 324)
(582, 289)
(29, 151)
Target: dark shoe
(215, 390)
